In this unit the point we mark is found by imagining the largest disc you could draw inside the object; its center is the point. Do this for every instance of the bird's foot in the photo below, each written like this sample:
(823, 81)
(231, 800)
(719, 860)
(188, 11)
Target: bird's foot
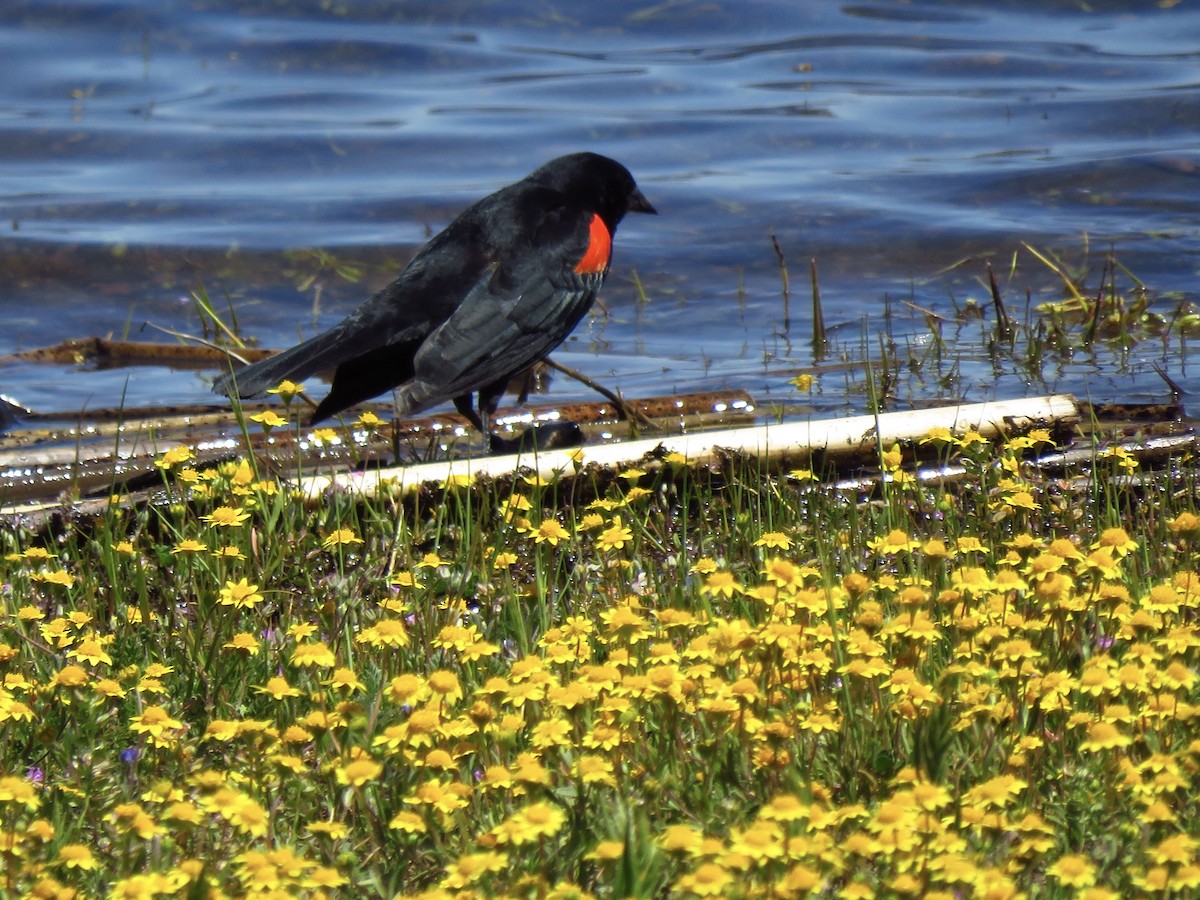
(546, 436)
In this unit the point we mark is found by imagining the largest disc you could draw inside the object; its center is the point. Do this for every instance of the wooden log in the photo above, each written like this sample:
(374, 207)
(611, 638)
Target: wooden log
(789, 441)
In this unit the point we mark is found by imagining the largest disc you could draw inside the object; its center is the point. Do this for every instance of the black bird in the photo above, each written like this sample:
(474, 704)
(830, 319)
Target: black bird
(493, 293)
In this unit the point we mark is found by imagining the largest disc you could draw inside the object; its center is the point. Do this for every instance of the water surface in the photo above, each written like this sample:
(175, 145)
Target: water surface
(146, 149)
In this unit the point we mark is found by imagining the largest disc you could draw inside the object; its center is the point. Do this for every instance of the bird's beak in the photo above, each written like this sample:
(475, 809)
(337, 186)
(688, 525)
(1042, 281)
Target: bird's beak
(639, 203)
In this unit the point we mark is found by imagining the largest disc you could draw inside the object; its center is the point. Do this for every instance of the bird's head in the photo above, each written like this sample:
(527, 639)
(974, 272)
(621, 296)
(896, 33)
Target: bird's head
(597, 183)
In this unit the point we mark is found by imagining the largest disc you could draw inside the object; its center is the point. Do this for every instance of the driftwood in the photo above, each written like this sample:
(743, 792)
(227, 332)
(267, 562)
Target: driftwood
(57, 461)
(86, 454)
(779, 446)
(1150, 433)
(107, 352)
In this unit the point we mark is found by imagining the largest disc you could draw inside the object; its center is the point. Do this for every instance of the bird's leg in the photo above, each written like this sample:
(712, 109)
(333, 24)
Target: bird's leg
(489, 402)
(466, 408)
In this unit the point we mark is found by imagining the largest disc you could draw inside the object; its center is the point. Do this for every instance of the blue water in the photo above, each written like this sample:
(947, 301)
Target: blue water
(146, 148)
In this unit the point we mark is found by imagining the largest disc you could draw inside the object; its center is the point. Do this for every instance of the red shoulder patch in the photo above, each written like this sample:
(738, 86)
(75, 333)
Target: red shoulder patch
(599, 249)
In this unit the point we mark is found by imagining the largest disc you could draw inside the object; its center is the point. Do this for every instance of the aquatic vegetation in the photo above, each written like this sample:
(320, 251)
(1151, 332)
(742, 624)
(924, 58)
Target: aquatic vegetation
(657, 682)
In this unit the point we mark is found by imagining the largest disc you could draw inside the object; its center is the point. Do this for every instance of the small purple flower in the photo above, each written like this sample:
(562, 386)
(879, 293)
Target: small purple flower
(130, 755)
(34, 774)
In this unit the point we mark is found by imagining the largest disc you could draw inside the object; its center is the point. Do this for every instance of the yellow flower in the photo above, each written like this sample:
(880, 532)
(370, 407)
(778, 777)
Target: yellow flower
(593, 769)
(14, 789)
(1020, 500)
(938, 435)
(1186, 523)
(384, 633)
(447, 798)
(240, 594)
(775, 540)
(359, 772)
(56, 576)
(90, 651)
(269, 419)
(782, 573)
(341, 538)
(1124, 458)
(1104, 736)
(760, 842)
(185, 812)
(405, 580)
(625, 623)
(173, 457)
(707, 880)
(996, 793)
(345, 679)
(892, 458)
(1073, 870)
(71, 676)
(155, 722)
(616, 536)
(721, 584)
(681, 839)
(189, 545)
(106, 687)
(286, 389)
(243, 641)
(322, 436)
(444, 686)
(534, 822)
(971, 544)
(301, 630)
(606, 851)
(504, 560)
(278, 687)
(408, 822)
(550, 532)
(430, 561)
(247, 816)
(226, 516)
(314, 654)
(1116, 540)
(12, 709)
(223, 730)
(131, 818)
(470, 867)
(895, 541)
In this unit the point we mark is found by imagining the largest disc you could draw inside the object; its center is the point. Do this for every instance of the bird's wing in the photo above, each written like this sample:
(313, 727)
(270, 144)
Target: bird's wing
(522, 308)
(405, 311)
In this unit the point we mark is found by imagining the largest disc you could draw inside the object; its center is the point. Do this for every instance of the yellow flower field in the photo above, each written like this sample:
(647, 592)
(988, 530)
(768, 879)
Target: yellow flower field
(666, 683)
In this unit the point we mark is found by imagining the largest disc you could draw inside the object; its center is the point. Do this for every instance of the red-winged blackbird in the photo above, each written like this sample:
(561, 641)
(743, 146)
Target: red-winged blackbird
(493, 293)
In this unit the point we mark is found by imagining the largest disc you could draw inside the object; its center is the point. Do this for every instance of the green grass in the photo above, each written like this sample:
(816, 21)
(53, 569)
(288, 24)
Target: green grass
(671, 681)
(668, 682)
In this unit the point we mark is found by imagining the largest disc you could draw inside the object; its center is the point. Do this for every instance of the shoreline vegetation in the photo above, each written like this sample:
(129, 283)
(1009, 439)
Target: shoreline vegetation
(968, 667)
(711, 681)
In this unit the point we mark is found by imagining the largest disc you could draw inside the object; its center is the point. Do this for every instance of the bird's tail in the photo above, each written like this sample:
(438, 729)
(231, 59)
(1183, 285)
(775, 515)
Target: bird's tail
(325, 351)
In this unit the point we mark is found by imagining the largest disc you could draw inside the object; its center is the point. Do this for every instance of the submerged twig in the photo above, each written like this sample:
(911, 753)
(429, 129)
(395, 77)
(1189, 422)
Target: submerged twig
(1003, 323)
(818, 330)
(783, 274)
(627, 411)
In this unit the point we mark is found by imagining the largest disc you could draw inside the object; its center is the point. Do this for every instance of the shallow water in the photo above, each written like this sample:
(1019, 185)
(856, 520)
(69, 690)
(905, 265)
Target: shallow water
(147, 148)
